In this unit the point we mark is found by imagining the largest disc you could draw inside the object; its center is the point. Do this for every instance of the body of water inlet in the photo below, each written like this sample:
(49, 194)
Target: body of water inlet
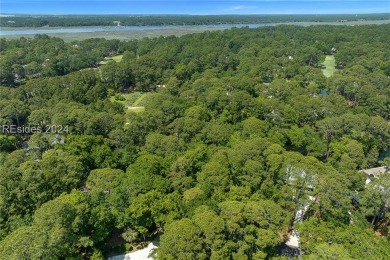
(48, 30)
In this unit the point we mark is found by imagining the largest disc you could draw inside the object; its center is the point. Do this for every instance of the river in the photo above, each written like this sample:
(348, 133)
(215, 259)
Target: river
(48, 30)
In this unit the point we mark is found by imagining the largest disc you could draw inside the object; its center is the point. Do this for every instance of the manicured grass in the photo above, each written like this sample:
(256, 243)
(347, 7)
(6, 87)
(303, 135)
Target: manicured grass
(132, 98)
(133, 102)
(135, 109)
(112, 99)
(139, 100)
(330, 66)
(116, 58)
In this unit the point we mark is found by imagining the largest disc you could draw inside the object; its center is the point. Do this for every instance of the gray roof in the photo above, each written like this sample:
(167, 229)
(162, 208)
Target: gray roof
(376, 171)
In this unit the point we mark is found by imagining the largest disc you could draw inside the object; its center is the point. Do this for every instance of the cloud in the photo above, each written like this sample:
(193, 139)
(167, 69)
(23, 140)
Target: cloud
(235, 8)
(238, 7)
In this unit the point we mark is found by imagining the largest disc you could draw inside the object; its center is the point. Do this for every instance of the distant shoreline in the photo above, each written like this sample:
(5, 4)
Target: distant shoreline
(368, 22)
(139, 32)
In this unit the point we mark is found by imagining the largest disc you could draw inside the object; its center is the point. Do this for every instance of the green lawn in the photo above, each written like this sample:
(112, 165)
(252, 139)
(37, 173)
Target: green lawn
(131, 98)
(133, 102)
(134, 109)
(123, 102)
(139, 99)
(116, 58)
(330, 66)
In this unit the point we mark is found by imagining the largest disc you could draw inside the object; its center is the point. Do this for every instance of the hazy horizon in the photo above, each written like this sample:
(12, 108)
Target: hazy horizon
(176, 7)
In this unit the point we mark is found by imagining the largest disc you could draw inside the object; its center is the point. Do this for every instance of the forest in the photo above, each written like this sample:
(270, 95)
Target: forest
(158, 20)
(240, 130)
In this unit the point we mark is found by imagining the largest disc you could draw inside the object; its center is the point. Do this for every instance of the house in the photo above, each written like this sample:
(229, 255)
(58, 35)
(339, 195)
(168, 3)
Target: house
(374, 172)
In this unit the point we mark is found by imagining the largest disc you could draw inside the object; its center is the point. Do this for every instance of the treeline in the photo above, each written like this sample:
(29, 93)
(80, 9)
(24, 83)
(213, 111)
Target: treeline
(41, 56)
(242, 133)
(158, 20)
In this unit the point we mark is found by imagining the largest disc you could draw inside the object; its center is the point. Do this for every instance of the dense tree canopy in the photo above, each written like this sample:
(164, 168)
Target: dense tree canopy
(240, 130)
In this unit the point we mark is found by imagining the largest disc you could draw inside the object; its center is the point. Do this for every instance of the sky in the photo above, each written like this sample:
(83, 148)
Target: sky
(193, 7)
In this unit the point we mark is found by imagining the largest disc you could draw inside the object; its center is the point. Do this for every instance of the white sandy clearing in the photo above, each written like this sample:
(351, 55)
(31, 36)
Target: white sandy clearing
(142, 254)
(294, 239)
